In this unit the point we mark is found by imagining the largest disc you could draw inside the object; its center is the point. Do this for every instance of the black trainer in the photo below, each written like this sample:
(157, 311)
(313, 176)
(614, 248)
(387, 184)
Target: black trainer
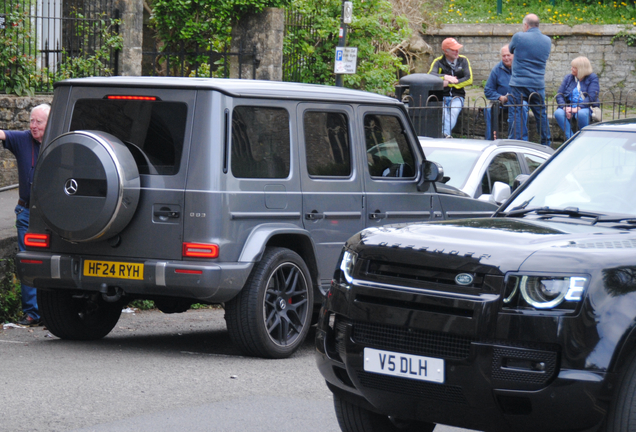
(29, 321)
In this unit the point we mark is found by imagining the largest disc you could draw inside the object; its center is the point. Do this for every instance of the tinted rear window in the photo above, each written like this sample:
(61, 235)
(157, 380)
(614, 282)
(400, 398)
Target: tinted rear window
(260, 142)
(153, 131)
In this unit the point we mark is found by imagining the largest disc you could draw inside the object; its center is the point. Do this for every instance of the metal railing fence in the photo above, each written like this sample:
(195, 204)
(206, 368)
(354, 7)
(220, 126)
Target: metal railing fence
(49, 37)
(294, 60)
(198, 62)
(427, 116)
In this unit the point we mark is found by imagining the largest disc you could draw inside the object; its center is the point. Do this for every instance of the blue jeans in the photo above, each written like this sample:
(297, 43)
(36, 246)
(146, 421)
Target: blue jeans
(509, 113)
(537, 105)
(452, 108)
(582, 119)
(29, 294)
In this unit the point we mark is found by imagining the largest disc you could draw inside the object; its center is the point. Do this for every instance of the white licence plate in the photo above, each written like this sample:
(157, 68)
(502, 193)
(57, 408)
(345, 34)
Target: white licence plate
(404, 365)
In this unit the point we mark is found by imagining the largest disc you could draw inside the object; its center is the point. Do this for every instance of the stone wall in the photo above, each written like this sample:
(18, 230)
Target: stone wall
(264, 32)
(614, 62)
(14, 115)
(131, 30)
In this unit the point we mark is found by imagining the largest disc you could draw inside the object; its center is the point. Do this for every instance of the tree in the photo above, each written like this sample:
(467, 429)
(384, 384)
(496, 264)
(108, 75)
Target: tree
(203, 23)
(379, 30)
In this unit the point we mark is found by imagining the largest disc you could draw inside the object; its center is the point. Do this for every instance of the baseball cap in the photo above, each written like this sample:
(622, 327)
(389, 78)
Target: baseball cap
(451, 43)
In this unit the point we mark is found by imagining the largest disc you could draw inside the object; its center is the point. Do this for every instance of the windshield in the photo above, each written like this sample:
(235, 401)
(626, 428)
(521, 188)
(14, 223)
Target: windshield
(594, 173)
(457, 163)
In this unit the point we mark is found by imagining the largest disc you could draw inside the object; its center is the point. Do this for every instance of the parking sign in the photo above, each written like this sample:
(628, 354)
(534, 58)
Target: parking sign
(346, 60)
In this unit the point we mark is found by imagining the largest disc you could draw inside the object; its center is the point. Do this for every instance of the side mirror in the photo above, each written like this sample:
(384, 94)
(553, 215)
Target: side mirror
(519, 180)
(430, 172)
(500, 192)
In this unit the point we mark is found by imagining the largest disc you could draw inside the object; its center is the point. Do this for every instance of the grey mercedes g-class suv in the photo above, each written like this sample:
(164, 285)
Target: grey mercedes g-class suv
(215, 191)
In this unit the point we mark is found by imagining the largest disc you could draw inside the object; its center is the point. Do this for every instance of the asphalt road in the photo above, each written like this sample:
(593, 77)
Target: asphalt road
(158, 372)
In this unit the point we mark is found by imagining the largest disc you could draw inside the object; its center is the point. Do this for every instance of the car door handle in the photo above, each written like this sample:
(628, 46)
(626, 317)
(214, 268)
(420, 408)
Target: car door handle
(377, 215)
(167, 214)
(314, 215)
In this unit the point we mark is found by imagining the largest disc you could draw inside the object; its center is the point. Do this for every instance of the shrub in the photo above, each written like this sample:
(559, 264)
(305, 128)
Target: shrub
(87, 63)
(18, 70)
(376, 31)
(10, 294)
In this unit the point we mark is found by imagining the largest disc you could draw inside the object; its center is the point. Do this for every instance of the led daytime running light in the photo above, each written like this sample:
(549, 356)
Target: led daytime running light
(347, 264)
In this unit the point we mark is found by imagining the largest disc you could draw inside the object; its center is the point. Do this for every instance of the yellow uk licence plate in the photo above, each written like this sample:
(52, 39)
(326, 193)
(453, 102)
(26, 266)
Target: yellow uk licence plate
(112, 269)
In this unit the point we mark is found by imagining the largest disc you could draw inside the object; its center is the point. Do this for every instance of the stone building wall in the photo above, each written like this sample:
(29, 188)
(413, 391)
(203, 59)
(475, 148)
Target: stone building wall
(263, 32)
(14, 115)
(614, 62)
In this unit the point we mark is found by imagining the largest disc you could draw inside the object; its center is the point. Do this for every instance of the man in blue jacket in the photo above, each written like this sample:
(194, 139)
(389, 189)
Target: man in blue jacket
(498, 90)
(25, 146)
(531, 49)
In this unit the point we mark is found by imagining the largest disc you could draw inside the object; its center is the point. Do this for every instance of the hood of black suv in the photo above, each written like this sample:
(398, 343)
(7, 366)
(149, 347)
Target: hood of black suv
(495, 245)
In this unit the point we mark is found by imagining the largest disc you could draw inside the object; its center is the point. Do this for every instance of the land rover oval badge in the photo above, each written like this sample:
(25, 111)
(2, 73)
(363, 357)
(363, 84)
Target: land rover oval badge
(464, 279)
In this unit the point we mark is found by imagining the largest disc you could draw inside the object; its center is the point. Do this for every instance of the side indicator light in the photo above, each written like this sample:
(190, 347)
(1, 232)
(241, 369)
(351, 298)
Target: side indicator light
(37, 240)
(200, 250)
(186, 271)
(125, 97)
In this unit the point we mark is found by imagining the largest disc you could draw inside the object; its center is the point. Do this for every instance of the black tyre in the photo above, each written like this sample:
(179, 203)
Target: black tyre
(86, 186)
(271, 315)
(74, 317)
(622, 413)
(353, 418)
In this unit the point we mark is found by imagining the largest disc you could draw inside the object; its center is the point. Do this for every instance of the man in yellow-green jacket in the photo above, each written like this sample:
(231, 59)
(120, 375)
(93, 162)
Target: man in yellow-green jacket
(455, 71)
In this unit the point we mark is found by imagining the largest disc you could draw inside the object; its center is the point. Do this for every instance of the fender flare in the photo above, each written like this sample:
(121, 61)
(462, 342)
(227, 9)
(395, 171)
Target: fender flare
(278, 234)
(258, 239)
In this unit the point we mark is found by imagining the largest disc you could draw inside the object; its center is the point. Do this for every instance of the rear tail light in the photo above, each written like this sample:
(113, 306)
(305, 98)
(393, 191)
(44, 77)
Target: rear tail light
(128, 97)
(200, 250)
(37, 240)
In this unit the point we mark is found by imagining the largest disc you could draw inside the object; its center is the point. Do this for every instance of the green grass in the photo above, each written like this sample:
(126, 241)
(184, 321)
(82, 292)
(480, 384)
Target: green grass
(563, 12)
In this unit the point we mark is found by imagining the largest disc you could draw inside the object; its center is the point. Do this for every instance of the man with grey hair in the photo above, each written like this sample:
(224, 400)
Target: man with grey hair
(498, 91)
(25, 146)
(531, 50)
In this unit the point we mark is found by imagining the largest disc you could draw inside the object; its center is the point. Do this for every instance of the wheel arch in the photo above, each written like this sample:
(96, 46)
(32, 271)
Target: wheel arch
(282, 235)
(625, 350)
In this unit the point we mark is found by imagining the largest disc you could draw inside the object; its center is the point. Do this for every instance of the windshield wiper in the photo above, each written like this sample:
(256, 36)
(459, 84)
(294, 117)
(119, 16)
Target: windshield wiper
(568, 211)
(522, 206)
(631, 220)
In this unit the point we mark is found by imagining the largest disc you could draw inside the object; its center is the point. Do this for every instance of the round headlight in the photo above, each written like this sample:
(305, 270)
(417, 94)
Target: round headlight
(544, 292)
(347, 264)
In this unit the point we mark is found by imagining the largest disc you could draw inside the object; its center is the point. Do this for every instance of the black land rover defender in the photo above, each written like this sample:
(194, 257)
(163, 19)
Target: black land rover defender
(525, 321)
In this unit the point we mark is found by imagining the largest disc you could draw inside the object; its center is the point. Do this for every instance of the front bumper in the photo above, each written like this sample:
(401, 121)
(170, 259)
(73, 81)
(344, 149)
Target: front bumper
(469, 397)
(199, 280)
(491, 382)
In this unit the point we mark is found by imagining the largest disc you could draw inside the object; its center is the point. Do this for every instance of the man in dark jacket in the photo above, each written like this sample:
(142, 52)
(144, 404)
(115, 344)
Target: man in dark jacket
(531, 49)
(25, 146)
(455, 71)
(498, 90)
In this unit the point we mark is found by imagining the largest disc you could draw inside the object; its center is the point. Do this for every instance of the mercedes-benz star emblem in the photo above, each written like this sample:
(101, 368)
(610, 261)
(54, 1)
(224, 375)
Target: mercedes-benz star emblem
(70, 187)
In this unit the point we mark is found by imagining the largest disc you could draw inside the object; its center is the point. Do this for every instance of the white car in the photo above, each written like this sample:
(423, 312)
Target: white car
(473, 166)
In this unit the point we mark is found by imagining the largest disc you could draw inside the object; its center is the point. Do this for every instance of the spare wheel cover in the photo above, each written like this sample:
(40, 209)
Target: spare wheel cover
(86, 186)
